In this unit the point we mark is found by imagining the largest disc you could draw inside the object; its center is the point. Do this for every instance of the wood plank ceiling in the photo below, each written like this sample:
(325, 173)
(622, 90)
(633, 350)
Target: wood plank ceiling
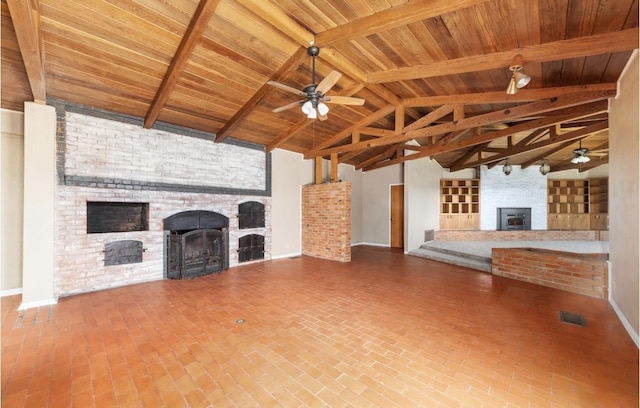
(433, 73)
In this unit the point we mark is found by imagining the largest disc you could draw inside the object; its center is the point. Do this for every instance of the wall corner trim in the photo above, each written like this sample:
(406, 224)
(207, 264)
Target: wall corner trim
(624, 321)
(39, 303)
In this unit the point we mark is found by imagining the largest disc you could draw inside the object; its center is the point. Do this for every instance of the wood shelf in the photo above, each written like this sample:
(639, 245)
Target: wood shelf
(571, 204)
(460, 204)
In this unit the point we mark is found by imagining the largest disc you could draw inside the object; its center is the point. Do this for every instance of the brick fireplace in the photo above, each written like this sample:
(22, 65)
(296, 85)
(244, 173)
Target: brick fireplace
(146, 176)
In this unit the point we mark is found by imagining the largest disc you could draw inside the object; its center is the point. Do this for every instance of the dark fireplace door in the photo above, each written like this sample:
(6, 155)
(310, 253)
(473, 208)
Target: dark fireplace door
(196, 253)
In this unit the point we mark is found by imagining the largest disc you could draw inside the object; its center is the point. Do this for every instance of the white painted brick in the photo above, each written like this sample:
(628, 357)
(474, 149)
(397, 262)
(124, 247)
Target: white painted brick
(104, 148)
(522, 188)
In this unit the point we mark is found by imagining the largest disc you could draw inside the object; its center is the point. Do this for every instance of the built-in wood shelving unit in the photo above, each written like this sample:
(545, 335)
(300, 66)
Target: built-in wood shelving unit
(577, 204)
(599, 203)
(460, 204)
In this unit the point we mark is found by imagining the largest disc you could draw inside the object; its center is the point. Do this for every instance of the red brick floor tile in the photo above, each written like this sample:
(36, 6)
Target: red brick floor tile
(383, 330)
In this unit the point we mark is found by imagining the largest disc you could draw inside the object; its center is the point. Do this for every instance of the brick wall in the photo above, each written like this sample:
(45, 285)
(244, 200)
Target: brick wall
(108, 157)
(326, 221)
(586, 274)
(519, 235)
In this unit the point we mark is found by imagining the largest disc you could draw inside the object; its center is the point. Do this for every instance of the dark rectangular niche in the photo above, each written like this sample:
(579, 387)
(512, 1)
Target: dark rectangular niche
(103, 216)
(123, 252)
(251, 215)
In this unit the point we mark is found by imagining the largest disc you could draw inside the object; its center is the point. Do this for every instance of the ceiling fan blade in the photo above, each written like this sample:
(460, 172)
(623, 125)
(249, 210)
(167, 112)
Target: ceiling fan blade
(288, 106)
(328, 82)
(286, 88)
(344, 100)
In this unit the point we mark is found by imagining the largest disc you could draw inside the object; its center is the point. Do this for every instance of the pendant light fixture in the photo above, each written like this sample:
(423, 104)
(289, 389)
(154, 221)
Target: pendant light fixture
(518, 78)
(544, 167)
(506, 169)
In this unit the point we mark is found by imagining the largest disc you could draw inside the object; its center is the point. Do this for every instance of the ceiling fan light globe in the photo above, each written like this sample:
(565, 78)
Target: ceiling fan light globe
(307, 108)
(521, 79)
(585, 159)
(313, 114)
(323, 109)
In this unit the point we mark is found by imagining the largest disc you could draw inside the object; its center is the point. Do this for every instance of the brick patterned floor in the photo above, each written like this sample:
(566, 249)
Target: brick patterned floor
(384, 330)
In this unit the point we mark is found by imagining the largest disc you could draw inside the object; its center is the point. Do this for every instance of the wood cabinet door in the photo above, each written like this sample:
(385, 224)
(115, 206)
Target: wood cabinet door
(579, 221)
(599, 222)
(469, 221)
(557, 221)
(449, 221)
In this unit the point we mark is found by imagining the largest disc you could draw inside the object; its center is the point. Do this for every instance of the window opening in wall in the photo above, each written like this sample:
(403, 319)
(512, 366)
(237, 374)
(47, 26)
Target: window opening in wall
(105, 216)
(250, 215)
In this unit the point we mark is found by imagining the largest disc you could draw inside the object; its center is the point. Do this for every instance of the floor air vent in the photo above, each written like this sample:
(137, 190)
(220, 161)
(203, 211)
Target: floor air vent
(573, 318)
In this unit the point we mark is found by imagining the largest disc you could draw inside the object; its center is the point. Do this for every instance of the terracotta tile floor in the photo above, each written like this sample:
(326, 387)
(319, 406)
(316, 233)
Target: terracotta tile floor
(384, 330)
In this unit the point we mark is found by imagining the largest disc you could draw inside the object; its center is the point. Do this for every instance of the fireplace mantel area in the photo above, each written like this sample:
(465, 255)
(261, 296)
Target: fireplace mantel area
(135, 204)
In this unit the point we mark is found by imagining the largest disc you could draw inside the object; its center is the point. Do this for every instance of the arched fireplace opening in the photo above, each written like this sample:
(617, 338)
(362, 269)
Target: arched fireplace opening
(196, 244)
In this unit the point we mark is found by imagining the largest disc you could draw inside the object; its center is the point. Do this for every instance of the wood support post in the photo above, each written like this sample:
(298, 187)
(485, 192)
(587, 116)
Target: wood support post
(334, 167)
(318, 170)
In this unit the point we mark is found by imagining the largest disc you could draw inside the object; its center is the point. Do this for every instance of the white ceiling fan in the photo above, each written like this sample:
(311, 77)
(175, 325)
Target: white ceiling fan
(580, 155)
(314, 96)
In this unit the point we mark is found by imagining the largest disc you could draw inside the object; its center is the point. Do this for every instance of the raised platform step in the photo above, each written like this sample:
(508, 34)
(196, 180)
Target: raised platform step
(453, 257)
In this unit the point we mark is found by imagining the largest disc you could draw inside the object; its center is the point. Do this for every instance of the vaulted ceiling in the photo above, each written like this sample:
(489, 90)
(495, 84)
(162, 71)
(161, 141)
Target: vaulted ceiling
(433, 73)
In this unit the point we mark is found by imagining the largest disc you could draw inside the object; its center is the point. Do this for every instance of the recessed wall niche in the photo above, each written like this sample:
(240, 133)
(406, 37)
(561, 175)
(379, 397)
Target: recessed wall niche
(105, 216)
(250, 215)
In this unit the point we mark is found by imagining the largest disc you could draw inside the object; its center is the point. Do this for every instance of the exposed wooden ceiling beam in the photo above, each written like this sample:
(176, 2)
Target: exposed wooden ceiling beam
(586, 110)
(189, 41)
(617, 41)
(531, 109)
(513, 151)
(530, 138)
(379, 157)
(293, 130)
(429, 118)
(255, 99)
(524, 95)
(274, 15)
(463, 159)
(379, 114)
(391, 18)
(27, 29)
(378, 132)
(546, 154)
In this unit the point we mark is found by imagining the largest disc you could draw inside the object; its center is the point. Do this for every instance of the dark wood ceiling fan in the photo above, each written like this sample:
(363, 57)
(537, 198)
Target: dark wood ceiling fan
(314, 95)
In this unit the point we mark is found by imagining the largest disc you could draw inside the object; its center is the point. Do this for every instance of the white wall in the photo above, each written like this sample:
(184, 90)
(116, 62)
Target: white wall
(422, 200)
(11, 180)
(376, 203)
(348, 173)
(289, 172)
(39, 239)
(624, 180)
(522, 188)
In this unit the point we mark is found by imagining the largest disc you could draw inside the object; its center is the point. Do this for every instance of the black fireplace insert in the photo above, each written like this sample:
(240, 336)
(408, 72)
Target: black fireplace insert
(514, 219)
(197, 244)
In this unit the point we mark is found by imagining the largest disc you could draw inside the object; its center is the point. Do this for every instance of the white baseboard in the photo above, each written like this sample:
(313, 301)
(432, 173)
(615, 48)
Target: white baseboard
(371, 244)
(10, 292)
(44, 302)
(625, 322)
(296, 255)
